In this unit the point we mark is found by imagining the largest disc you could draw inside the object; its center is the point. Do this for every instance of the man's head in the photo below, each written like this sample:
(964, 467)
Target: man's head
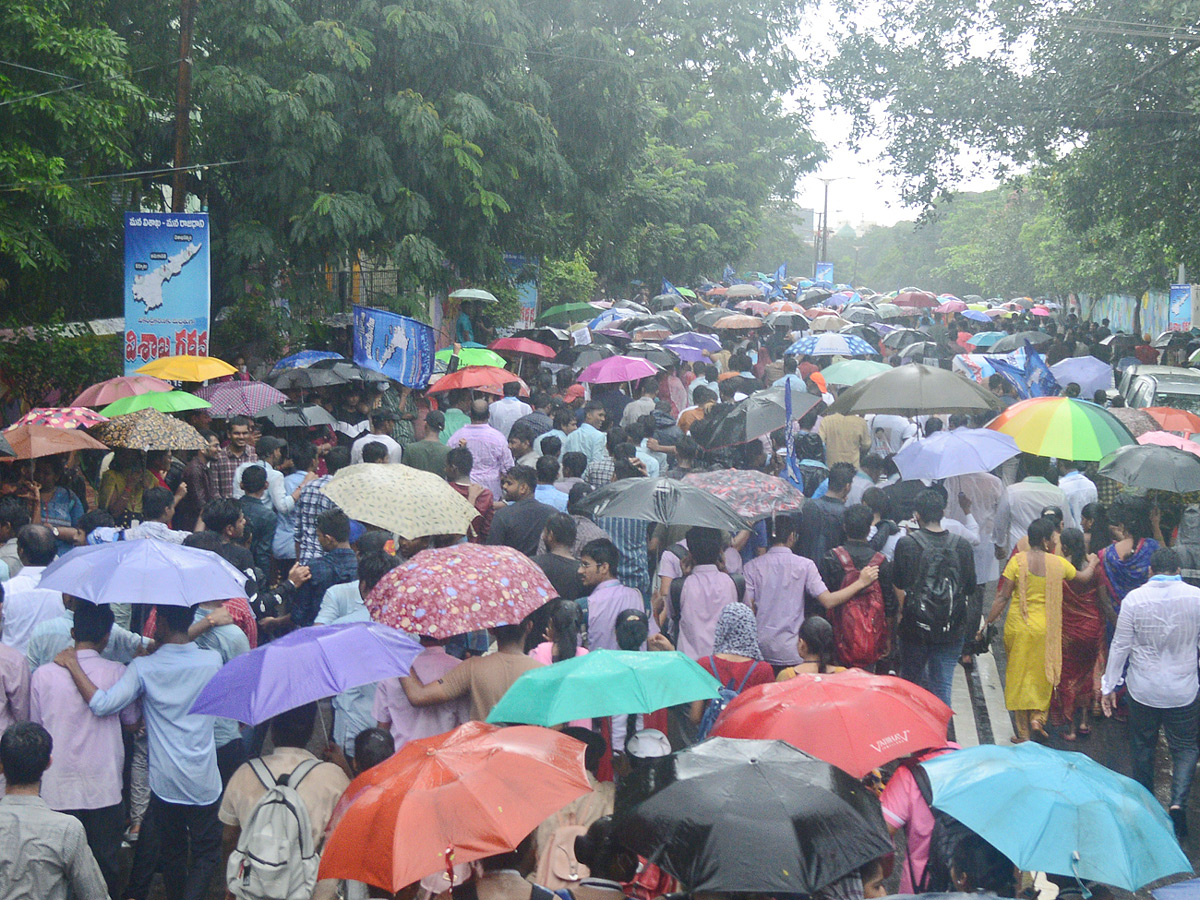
(459, 463)
(223, 516)
(337, 459)
(874, 465)
(375, 452)
(212, 444)
(564, 420)
(512, 389)
(520, 441)
(998, 385)
(371, 747)
(36, 545)
(574, 464)
(14, 515)
(435, 421)
(158, 504)
(1165, 561)
(547, 469)
(615, 438)
(381, 421)
(929, 506)
(1034, 466)
(856, 522)
(594, 414)
(841, 475)
(560, 531)
(958, 420)
(25, 754)
(598, 562)
(541, 401)
(303, 456)
(294, 727)
(705, 398)
(518, 483)
(272, 450)
(92, 624)
(371, 569)
(786, 528)
(254, 480)
(239, 434)
(333, 529)
(90, 521)
(174, 622)
(551, 445)
(511, 635)
(789, 365)
(479, 412)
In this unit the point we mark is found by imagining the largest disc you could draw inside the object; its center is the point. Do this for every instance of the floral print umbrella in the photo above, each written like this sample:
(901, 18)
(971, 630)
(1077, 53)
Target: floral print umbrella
(149, 429)
(60, 417)
(406, 501)
(753, 495)
(453, 590)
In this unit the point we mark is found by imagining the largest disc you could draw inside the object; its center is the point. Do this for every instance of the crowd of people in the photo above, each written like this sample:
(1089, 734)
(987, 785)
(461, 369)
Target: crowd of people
(100, 752)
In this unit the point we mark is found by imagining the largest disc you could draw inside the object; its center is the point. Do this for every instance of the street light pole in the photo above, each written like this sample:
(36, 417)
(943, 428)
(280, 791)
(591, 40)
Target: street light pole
(825, 223)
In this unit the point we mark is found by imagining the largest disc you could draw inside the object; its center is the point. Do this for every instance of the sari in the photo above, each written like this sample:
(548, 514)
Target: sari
(1123, 575)
(1082, 638)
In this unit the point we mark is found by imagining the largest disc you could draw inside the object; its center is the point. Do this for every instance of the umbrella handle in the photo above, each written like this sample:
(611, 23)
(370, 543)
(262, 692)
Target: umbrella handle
(1087, 895)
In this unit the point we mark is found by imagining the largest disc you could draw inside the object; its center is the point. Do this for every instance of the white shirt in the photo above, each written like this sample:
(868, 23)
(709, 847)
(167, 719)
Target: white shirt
(983, 491)
(281, 501)
(1079, 491)
(26, 605)
(1158, 633)
(395, 451)
(1020, 504)
(505, 411)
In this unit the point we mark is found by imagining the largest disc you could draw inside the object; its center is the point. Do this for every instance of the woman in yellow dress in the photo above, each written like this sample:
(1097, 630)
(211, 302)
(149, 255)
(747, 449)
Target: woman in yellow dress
(1033, 631)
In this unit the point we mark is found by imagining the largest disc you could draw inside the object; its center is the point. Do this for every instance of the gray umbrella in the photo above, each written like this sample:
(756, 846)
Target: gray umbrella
(1152, 467)
(912, 390)
(656, 353)
(296, 415)
(307, 379)
(662, 500)
(902, 337)
(6, 448)
(710, 317)
(350, 371)
(582, 357)
(1017, 341)
(761, 413)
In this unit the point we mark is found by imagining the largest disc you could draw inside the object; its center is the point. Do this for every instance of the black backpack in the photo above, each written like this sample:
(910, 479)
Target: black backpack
(936, 604)
(947, 832)
(808, 445)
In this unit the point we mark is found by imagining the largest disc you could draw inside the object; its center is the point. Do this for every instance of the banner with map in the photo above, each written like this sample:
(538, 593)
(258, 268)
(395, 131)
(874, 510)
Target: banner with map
(166, 286)
(399, 347)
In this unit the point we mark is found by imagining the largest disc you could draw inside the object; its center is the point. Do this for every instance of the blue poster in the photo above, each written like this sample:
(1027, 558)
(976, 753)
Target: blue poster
(1179, 313)
(824, 272)
(166, 286)
(399, 347)
(520, 266)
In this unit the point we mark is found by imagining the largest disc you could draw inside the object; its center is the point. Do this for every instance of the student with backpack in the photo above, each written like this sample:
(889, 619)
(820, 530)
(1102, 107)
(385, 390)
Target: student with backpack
(935, 584)
(288, 792)
(736, 662)
(862, 622)
(906, 804)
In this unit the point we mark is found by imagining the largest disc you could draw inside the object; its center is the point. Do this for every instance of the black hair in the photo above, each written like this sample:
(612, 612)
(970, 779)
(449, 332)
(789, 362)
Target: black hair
(602, 551)
(705, 545)
(1039, 531)
(371, 747)
(566, 617)
(1073, 547)
(25, 753)
(1133, 513)
(615, 438)
(220, 513)
(687, 448)
(785, 526)
(203, 540)
(302, 454)
(92, 623)
(856, 522)
(594, 743)
(876, 499)
(932, 426)
(1099, 533)
(337, 459)
(435, 420)
(372, 567)
(240, 421)
(600, 849)
(574, 464)
(176, 619)
(371, 542)
(551, 445)
(374, 451)
(510, 634)
(254, 479)
(15, 513)
(461, 460)
(526, 475)
(155, 502)
(37, 545)
(334, 523)
(512, 389)
(817, 634)
(1034, 466)
(269, 444)
(1165, 561)
(563, 527)
(294, 727)
(579, 490)
(985, 868)
(563, 417)
(631, 629)
(547, 469)
(840, 476)
(98, 518)
(703, 395)
(929, 505)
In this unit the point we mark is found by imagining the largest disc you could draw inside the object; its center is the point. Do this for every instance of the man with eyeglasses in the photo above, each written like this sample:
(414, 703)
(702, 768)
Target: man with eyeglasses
(608, 598)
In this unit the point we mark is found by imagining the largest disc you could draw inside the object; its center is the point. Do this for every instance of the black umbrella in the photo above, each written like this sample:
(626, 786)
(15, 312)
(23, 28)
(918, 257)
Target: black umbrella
(581, 357)
(664, 301)
(296, 415)
(757, 817)
(815, 296)
(861, 313)
(793, 321)
(656, 353)
(1017, 341)
(711, 317)
(662, 500)
(866, 332)
(638, 307)
(545, 335)
(1167, 338)
(350, 371)
(1152, 467)
(612, 337)
(913, 390)
(902, 337)
(307, 379)
(928, 349)
(761, 413)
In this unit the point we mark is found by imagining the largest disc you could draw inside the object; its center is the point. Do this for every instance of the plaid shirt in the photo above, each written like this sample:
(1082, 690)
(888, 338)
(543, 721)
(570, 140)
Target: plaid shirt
(310, 505)
(600, 471)
(225, 465)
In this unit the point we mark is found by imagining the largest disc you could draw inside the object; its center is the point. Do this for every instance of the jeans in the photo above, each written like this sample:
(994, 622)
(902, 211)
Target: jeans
(930, 665)
(104, 828)
(1180, 724)
(175, 829)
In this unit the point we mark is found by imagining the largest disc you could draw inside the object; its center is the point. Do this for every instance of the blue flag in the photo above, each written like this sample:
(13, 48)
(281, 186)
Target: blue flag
(668, 288)
(399, 347)
(781, 275)
(1034, 379)
(729, 276)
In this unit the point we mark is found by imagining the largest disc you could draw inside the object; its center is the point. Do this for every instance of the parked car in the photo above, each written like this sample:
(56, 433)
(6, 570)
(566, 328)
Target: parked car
(1172, 386)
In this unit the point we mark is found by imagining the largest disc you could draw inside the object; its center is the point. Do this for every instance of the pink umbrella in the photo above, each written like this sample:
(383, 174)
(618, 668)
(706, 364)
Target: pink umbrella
(522, 346)
(757, 307)
(60, 417)
(1166, 439)
(786, 306)
(951, 306)
(916, 300)
(1039, 311)
(239, 398)
(105, 392)
(616, 369)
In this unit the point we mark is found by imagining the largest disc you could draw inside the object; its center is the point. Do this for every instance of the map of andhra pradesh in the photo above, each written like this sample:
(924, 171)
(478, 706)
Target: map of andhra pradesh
(148, 288)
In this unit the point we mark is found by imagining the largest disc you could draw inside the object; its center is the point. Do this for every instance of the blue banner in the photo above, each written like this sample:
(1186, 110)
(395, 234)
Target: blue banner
(1179, 312)
(729, 275)
(399, 347)
(166, 286)
(824, 272)
(668, 288)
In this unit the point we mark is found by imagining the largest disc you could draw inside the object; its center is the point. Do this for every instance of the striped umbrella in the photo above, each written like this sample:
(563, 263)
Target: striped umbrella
(1062, 427)
(240, 398)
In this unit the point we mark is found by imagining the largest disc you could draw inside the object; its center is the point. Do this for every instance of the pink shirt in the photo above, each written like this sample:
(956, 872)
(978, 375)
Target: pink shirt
(776, 584)
(904, 807)
(706, 592)
(489, 451)
(409, 723)
(544, 653)
(85, 771)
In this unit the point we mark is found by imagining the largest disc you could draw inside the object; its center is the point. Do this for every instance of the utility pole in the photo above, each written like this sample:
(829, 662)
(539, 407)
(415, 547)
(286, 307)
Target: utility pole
(825, 223)
(816, 244)
(183, 95)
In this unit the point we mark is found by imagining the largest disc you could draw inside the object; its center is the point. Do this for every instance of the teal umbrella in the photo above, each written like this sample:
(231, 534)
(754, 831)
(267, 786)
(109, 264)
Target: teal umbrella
(604, 683)
(1058, 812)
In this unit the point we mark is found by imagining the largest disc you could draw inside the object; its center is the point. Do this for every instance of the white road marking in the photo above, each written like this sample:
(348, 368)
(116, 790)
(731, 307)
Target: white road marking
(966, 732)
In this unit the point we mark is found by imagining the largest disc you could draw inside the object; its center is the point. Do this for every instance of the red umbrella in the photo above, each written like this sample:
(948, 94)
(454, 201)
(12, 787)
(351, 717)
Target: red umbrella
(855, 720)
(453, 590)
(472, 792)
(60, 417)
(1174, 419)
(522, 347)
(105, 392)
(480, 377)
(916, 300)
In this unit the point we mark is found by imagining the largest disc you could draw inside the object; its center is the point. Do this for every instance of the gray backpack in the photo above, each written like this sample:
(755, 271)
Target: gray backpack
(275, 858)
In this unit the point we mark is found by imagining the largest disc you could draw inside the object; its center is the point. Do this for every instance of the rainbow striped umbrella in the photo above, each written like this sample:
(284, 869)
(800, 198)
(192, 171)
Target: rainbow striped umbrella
(1062, 427)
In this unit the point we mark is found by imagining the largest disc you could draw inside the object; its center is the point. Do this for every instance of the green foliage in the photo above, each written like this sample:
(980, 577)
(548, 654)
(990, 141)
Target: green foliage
(566, 281)
(36, 361)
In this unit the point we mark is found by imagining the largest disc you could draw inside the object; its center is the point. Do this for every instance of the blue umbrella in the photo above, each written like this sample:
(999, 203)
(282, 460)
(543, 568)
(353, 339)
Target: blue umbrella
(609, 317)
(146, 571)
(304, 359)
(831, 343)
(306, 665)
(960, 452)
(1180, 890)
(986, 338)
(697, 340)
(1089, 373)
(1057, 812)
(975, 315)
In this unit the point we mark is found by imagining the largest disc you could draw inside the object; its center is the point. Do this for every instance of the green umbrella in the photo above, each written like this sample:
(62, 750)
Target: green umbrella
(480, 356)
(163, 401)
(604, 683)
(852, 371)
(568, 312)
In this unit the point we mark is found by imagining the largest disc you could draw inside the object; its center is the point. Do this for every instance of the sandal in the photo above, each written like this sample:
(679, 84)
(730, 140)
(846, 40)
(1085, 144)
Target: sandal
(1084, 730)
(1070, 738)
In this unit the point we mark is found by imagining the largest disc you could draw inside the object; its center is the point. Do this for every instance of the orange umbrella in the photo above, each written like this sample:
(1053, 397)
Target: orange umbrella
(473, 377)
(735, 322)
(32, 441)
(1174, 419)
(473, 792)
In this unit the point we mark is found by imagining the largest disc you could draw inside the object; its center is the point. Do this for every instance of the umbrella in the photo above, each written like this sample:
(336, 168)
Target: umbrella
(306, 379)
(616, 369)
(912, 390)
(1152, 467)
(861, 314)
(473, 294)
(916, 300)
(853, 719)
(1174, 419)
(522, 347)
(753, 495)
(105, 392)
(951, 306)
(453, 590)
(545, 335)
(757, 817)
(831, 344)
(1011, 342)
(902, 337)
(754, 307)
(406, 501)
(975, 315)
(662, 500)
(6, 449)
(472, 356)
(306, 665)
(169, 401)
(1167, 338)
(187, 368)
(1166, 439)
(852, 371)
(1040, 311)
(815, 295)
(32, 441)
(60, 417)
(741, 291)
(829, 323)
(794, 321)
(697, 340)
(761, 413)
(304, 358)
(1063, 428)
(963, 451)
(986, 338)
(151, 572)
(928, 350)
(584, 355)
(1058, 812)
(473, 377)
(149, 429)
(683, 352)
(1089, 373)
(472, 792)
(350, 371)
(568, 312)
(297, 415)
(710, 317)
(734, 323)
(659, 354)
(604, 683)
(240, 398)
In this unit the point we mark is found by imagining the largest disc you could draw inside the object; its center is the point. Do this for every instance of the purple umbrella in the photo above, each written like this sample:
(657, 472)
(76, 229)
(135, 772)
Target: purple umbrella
(975, 315)
(884, 329)
(308, 664)
(685, 352)
(616, 369)
(240, 398)
(697, 340)
(151, 572)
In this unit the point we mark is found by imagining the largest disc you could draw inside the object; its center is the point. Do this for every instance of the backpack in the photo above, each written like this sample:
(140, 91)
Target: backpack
(558, 866)
(860, 624)
(808, 445)
(936, 604)
(947, 832)
(811, 475)
(724, 697)
(275, 858)
(681, 553)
